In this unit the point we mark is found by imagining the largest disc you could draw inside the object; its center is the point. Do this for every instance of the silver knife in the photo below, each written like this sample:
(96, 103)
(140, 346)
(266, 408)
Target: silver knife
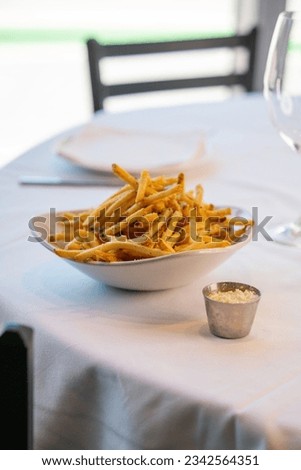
(57, 181)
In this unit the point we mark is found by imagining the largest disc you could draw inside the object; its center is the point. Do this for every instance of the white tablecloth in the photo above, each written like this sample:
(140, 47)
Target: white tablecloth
(136, 370)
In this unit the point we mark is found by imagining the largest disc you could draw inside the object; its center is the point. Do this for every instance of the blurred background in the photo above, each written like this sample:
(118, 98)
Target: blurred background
(44, 77)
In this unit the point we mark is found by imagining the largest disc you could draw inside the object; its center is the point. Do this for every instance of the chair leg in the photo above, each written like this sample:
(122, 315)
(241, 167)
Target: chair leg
(16, 388)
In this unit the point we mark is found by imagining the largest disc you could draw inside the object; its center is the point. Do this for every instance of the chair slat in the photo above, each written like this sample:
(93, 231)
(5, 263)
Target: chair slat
(101, 91)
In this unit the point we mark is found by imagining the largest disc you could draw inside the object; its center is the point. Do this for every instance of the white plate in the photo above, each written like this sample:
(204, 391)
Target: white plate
(160, 273)
(96, 147)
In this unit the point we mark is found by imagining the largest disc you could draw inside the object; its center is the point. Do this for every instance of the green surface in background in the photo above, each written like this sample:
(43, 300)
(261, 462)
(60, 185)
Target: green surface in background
(108, 37)
(294, 46)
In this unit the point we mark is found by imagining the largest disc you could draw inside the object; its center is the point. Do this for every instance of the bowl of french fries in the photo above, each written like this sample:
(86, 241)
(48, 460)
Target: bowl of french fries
(151, 234)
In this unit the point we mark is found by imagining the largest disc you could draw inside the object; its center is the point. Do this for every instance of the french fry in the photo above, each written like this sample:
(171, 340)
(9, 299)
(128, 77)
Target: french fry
(162, 195)
(133, 248)
(171, 228)
(199, 194)
(147, 218)
(124, 223)
(142, 185)
(165, 246)
(124, 175)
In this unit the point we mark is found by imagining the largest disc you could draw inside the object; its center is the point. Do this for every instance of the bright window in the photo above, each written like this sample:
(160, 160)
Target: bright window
(44, 82)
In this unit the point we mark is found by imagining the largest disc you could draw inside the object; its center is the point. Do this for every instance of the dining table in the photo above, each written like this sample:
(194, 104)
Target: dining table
(124, 369)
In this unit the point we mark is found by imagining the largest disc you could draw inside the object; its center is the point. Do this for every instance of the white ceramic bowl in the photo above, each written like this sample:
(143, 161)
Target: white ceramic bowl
(160, 273)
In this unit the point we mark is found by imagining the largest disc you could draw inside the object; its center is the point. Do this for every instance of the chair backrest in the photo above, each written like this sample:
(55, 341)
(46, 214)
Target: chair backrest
(16, 416)
(101, 91)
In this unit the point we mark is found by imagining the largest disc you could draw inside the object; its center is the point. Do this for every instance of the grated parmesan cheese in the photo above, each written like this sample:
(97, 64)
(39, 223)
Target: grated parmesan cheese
(233, 296)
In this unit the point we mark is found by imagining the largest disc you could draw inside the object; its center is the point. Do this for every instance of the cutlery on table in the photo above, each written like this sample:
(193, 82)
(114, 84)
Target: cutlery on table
(58, 181)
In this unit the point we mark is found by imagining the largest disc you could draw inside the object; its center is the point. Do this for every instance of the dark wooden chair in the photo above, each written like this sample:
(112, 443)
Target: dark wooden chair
(16, 416)
(101, 91)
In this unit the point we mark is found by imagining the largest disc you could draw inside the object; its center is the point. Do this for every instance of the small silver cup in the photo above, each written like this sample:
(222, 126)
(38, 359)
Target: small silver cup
(230, 320)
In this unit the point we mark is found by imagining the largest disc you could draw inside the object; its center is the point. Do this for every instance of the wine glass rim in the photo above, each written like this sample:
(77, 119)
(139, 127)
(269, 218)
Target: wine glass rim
(296, 14)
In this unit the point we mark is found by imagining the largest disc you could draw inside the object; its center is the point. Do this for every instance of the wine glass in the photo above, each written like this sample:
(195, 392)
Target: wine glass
(282, 90)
